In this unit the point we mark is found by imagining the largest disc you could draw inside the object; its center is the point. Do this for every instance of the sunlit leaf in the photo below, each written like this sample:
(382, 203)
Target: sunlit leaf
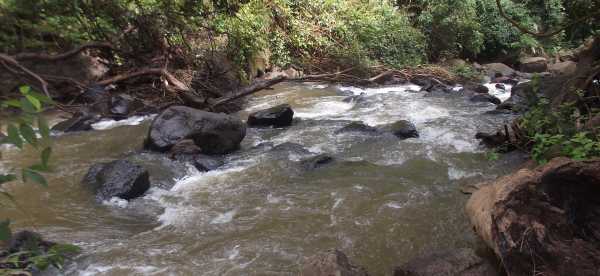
(35, 102)
(41, 97)
(25, 89)
(14, 137)
(12, 103)
(30, 175)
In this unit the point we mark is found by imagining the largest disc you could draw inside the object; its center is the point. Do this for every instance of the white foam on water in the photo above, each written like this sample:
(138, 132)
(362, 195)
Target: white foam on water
(223, 218)
(456, 174)
(502, 94)
(324, 108)
(381, 90)
(131, 121)
(116, 202)
(102, 269)
(394, 205)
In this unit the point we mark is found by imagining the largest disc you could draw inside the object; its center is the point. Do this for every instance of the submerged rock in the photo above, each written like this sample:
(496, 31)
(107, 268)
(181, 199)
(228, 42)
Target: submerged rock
(500, 86)
(505, 80)
(277, 116)
(331, 263)
(79, 122)
(477, 88)
(459, 262)
(358, 127)
(355, 98)
(485, 98)
(120, 178)
(551, 211)
(316, 162)
(214, 133)
(289, 147)
(403, 129)
(186, 151)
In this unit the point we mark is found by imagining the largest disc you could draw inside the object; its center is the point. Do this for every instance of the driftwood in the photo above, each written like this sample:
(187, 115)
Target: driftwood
(15, 67)
(68, 54)
(249, 90)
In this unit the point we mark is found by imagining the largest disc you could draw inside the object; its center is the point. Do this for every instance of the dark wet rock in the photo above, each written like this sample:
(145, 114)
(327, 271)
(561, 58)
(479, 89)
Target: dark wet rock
(187, 151)
(551, 210)
(403, 129)
(124, 105)
(120, 178)
(317, 162)
(459, 262)
(331, 263)
(214, 133)
(500, 86)
(477, 88)
(358, 127)
(79, 122)
(277, 116)
(492, 140)
(534, 65)
(206, 163)
(495, 70)
(94, 94)
(355, 98)
(290, 148)
(505, 80)
(499, 111)
(485, 98)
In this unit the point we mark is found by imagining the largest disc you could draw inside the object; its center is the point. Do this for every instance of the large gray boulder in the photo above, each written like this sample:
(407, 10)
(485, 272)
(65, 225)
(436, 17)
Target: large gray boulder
(214, 133)
(331, 263)
(494, 70)
(121, 178)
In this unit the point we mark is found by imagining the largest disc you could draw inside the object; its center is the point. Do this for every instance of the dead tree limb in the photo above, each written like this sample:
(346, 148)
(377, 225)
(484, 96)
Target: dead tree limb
(47, 57)
(8, 61)
(251, 89)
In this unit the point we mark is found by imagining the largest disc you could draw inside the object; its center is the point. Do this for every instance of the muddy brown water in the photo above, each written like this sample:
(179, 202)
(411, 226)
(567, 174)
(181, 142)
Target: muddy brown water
(384, 202)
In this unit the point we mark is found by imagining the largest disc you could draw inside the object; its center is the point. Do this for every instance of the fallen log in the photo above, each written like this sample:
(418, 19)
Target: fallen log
(544, 221)
(251, 89)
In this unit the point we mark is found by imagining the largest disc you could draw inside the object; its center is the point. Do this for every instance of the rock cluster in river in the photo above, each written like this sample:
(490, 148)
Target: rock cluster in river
(402, 129)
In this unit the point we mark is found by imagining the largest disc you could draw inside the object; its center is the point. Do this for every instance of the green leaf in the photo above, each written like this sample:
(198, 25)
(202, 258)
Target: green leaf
(29, 134)
(29, 174)
(35, 102)
(27, 106)
(4, 178)
(24, 89)
(5, 232)
(41, 97)
(46, 156)
(13, 103)
(43, 127)
(14, 137)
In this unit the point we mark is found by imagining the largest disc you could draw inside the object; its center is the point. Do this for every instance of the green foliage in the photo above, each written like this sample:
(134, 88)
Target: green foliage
(466, 71)
(554, 131)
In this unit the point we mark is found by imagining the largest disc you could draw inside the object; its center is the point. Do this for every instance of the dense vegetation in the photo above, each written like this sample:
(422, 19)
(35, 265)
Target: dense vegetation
(308, 34)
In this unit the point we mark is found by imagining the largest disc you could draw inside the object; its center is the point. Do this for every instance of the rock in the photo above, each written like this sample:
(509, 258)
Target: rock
(499, 110)
(458, 262)
(94, 94)
(124, 105)
(567, 55)
(500, 86)
(187, 151)
(505, 80)
(290, 148)
(277, 116)
(79, 122)
(563, 68)
(551, 211)
(495, 70)
(485, 98)
(429, 84)
(355, 98)
(316, 162)
(534, 64)
(492, 140)
(358, 127)
(214, 133)
(456, 62)
(331, 263)
(120, 178)
(403, 129)
(477, 88)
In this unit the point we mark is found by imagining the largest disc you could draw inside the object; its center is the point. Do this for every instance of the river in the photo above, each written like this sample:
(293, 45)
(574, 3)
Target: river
(384, 202)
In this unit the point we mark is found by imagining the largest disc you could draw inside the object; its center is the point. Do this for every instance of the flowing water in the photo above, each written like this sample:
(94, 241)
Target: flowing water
(384, 202)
